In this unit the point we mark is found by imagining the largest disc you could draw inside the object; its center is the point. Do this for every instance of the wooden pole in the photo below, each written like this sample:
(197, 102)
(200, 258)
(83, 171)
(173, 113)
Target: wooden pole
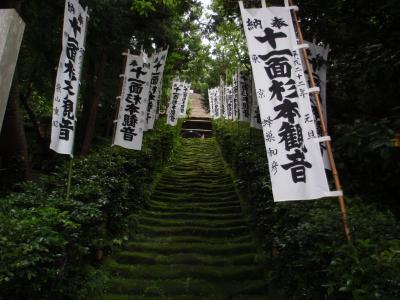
(328, 145)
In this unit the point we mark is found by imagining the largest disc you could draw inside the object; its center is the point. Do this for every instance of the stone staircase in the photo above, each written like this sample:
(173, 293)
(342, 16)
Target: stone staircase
(197, 128)
(193, 241)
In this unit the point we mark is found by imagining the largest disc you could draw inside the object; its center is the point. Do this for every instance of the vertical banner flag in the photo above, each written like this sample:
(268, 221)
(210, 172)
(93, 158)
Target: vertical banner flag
(317, 57)
(294, 157)
(211, 102)
(68, 78)
(244, 97)
(174, 104)
(159, 101)
(229, 102)
(185, 99)
(235, 91)
(217, 106)
(157, 70)
(255, 118)
(133, 105)
(221, 100)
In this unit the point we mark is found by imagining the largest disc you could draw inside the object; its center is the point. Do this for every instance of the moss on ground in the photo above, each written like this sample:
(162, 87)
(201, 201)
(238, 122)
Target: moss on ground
(193, 241)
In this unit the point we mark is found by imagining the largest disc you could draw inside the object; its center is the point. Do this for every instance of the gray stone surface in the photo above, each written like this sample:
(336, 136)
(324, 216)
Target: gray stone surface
(11, 32)
(197, 110)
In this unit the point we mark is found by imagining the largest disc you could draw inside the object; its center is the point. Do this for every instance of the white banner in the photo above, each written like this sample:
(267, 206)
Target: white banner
(229, 102)
(159, 101)
(185, 100)
(235, 92)
(255, 118)
(174, 103)
(133, 105)
(244, 97)
(216, 103)
(157, 70)
(68, 78)
(222, 102)
(317, 57)
(294, 157)
(211, 102)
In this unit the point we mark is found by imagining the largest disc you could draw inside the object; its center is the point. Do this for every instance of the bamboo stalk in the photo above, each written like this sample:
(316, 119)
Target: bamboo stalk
(328, 145)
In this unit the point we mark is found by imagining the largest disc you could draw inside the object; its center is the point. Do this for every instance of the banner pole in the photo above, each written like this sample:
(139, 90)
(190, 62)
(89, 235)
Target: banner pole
(328, 145)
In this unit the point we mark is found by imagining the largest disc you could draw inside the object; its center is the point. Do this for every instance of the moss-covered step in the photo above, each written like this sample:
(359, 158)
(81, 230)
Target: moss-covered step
(145, 220)
(171, 271)
(204, 210)
(195, 203)
(191, 216)
(168, 248)
(196, 239)
(188, 285)
(132, 258)
(194, 231)
(193, 241)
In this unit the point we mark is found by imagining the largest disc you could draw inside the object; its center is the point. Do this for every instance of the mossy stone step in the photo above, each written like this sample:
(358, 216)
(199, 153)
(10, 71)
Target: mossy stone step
(190, 222)
(190, 286)
(195, 186)
(180, 271)
(194, 203)
(210, 191)
(191, 175)
(190, 180)
(194, 231)
(136, 297)
(201, 173)
(195, 196)
(195, 239)
(202, 193)
(196, 248)
(190, 198)
(221, 210)
(132, 258)
(190, 216)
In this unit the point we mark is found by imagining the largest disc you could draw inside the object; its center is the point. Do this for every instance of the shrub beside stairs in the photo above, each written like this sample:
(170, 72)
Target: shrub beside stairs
(193, 241)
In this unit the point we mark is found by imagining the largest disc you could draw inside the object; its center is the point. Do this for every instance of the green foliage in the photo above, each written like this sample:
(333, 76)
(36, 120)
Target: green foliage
(368, 155)
(47, 241)
(143, 7)
(308, 255)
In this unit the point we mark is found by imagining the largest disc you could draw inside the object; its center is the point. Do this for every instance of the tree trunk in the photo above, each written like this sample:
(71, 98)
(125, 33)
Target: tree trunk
(35, 123)
(13, 140)
(91, 111)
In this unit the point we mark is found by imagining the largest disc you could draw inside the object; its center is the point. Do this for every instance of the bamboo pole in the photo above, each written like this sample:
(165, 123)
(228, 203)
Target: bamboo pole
(328, 145)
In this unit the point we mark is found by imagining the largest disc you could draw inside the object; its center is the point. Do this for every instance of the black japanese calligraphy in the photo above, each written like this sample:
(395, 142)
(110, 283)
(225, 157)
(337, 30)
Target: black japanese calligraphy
(270, 36)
